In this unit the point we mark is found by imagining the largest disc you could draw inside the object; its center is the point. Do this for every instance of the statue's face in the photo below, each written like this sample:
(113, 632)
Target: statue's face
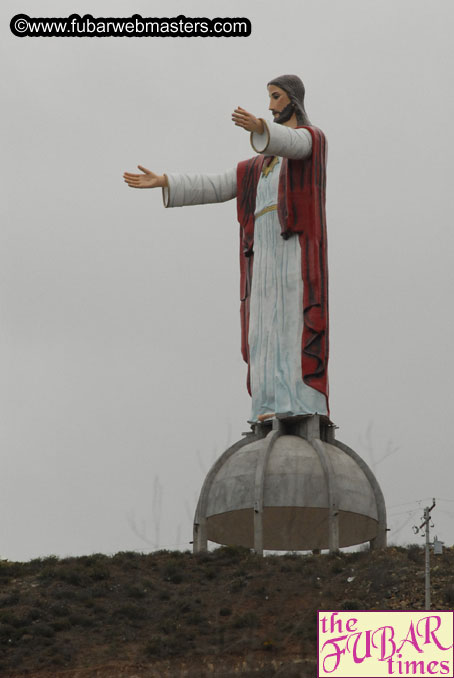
(280, 105)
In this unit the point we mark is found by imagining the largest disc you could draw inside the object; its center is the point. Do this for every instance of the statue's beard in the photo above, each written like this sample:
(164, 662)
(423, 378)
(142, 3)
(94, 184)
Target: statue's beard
(285, 114)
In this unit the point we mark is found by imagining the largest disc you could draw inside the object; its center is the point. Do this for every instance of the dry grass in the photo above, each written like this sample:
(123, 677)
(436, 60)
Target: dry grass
(173, 608)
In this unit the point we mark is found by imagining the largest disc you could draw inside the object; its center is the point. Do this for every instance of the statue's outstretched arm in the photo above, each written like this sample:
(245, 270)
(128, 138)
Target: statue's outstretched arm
(274, 139)
(283, 141)
(186, 189)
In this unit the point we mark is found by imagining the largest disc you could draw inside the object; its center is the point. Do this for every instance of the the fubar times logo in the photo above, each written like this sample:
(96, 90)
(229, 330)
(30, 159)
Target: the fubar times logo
(385, 643)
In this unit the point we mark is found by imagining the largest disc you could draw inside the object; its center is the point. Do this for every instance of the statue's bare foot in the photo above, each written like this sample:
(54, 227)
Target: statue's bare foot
(264, 417)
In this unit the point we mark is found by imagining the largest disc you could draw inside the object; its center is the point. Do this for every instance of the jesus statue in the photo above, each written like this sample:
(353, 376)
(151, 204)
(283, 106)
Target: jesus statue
(280, 195)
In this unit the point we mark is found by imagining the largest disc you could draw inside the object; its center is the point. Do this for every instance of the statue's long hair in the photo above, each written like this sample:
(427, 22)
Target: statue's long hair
(294, 88)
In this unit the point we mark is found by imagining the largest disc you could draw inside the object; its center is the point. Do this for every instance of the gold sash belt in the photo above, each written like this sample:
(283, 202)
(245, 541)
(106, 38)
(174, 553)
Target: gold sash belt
(270, 208)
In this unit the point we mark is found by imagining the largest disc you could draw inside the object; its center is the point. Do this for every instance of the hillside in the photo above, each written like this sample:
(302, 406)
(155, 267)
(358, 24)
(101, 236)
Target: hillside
(168, 614)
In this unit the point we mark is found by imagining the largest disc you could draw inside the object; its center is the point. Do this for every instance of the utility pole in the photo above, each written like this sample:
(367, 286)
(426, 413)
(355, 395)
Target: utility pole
(426, 525)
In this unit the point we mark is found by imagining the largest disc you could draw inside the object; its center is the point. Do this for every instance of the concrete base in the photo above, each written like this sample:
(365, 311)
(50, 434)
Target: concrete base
(289, 485)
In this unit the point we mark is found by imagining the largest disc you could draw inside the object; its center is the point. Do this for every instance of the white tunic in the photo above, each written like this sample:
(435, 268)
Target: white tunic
(276, 304)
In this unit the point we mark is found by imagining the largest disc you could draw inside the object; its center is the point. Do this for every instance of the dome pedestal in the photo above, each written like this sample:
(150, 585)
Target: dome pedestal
(289, 485)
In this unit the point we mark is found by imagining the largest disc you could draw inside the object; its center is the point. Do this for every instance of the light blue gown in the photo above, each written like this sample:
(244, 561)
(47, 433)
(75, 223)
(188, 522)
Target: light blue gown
(276, 316)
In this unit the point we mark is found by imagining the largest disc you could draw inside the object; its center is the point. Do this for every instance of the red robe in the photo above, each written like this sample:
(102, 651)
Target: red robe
(301, 213)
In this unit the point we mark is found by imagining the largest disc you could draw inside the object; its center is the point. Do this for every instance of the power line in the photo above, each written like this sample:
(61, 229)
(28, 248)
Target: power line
(401, 513)
(415, 501)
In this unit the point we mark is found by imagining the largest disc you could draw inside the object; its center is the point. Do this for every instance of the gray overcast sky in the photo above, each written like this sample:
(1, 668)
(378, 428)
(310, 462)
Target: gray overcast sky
(122, 378)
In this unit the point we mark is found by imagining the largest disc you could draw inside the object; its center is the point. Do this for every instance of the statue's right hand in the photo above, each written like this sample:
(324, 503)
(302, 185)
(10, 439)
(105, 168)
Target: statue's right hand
(146, 180)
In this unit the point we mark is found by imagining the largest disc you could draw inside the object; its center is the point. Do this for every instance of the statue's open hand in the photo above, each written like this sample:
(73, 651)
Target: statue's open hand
(246, 120)
(146, 180)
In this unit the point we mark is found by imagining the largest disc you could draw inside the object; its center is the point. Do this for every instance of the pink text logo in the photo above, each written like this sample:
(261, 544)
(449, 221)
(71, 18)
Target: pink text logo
(385, 643)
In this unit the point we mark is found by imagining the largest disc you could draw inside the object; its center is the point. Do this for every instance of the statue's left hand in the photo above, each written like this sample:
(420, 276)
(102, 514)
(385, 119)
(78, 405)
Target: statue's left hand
(247, 121)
